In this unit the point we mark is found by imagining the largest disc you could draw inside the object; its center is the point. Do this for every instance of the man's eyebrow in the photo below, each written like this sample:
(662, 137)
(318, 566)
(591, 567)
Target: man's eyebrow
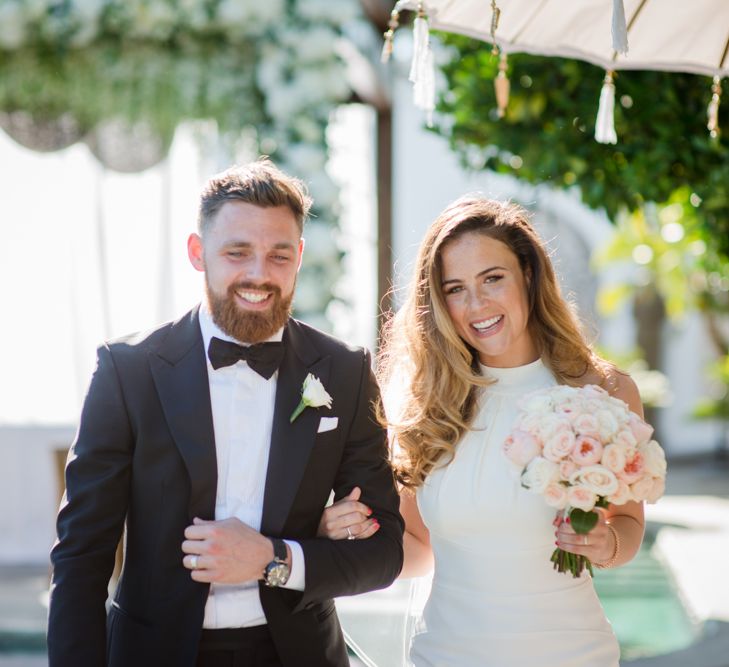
(283, 245)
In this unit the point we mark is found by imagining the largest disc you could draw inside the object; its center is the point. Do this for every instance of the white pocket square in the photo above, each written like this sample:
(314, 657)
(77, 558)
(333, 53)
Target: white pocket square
(327, 424)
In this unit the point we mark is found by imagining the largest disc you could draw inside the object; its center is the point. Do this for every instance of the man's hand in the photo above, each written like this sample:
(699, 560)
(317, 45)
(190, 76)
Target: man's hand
(225, 552)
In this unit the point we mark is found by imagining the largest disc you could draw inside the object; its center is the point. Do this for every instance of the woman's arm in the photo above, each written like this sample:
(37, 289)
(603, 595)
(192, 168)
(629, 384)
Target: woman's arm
(348, 517)
(416, 539)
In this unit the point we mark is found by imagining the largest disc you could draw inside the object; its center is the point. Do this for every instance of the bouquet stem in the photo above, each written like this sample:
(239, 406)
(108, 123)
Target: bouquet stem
(565, 561)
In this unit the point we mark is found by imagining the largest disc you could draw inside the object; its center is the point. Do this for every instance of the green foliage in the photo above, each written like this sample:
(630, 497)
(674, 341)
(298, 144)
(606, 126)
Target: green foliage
(675, 253)
(718, 406)
(547, 133)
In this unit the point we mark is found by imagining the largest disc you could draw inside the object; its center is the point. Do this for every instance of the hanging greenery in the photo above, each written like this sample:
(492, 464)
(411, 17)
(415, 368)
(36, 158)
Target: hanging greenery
(71, 68)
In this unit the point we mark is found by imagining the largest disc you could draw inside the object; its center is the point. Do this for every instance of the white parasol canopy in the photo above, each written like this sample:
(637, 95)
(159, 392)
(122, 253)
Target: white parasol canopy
(670, 35)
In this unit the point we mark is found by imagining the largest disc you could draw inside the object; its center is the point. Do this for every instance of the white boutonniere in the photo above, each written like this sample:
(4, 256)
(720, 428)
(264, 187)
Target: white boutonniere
(313, 395)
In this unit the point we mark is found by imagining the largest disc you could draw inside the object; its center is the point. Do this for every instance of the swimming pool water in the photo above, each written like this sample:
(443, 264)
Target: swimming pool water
(644, 606)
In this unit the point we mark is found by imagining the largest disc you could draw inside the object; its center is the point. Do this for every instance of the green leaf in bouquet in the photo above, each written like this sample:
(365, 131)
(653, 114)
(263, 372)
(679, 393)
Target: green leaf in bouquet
(582, 522)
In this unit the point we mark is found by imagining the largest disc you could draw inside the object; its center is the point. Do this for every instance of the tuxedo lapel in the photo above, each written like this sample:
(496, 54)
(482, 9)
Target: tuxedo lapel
(179, 369)
(291, 443)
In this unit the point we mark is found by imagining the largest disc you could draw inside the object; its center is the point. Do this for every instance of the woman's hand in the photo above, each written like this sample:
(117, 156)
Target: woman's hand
(598, 545)
(347, 519)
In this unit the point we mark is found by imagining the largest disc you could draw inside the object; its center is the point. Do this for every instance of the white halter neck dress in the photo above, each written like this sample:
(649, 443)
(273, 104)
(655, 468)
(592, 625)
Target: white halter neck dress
(495, 599)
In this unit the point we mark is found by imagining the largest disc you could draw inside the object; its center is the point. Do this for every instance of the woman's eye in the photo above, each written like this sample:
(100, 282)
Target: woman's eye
(454, 290)
(493, 278)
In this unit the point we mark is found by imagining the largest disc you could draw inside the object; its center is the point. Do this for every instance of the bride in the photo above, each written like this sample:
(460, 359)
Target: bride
(485, 323)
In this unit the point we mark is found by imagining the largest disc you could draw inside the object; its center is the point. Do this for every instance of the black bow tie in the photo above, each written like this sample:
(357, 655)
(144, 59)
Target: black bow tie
(264, 358)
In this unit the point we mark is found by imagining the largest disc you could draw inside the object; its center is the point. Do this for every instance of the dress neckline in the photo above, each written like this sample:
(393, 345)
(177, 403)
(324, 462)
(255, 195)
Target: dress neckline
(516, 375)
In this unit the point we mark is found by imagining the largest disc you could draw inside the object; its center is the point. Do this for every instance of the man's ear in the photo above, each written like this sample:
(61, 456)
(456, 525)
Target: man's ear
(302, 243)
(195, 252)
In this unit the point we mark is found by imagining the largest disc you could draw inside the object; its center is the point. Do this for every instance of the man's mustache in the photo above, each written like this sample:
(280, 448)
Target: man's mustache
(262, 287)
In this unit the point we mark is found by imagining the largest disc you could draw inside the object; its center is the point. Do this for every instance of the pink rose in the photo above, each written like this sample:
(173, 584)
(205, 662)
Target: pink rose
(613, 458)
(587, 451)
(596, 478)
(521, 447)
(641, 431)
(634, 468)
(656, 492)
(581, 498)
(622, 495)
(555, 495)
(649, 489)
(586, 424)
(567, 468)
(558, 446)
(654, 457)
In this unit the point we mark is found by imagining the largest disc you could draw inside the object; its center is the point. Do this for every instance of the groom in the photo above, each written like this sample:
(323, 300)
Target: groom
(186, 439)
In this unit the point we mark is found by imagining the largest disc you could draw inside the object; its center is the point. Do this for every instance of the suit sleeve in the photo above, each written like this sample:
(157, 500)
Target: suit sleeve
(90, 523)
(349, 567)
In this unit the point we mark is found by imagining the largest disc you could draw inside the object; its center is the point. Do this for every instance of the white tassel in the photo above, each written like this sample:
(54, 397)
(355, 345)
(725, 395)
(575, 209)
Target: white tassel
(620, 29)
(712, 112)
(422, 70)
(605, 123)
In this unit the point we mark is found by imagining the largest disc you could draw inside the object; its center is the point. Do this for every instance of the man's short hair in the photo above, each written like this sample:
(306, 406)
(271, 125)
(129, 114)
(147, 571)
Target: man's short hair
(260, 183)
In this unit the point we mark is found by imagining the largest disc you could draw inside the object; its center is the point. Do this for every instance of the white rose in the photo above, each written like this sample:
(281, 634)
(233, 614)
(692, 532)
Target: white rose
(607, 425)
(563, 394)
(314, 394)
(654, 458)
(597, 479)
(551, 424)
(539, 403)
(625, 438)
(539, 474)
(530, 422)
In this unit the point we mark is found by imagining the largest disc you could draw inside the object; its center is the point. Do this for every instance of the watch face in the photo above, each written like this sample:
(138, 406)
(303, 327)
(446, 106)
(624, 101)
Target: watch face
(277, 574)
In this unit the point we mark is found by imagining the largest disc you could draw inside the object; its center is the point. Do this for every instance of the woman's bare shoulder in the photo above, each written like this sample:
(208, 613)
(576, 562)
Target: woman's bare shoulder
(617, 383)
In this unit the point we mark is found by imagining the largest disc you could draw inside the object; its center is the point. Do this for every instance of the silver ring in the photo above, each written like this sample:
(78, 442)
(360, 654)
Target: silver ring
(349, 534)
(193, 561)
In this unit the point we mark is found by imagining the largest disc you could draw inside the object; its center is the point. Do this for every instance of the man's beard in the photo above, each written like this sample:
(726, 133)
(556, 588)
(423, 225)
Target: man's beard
(248, 326)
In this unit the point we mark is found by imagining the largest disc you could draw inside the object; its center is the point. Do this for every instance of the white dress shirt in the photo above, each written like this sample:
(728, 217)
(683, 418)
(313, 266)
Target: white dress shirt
(242, 404)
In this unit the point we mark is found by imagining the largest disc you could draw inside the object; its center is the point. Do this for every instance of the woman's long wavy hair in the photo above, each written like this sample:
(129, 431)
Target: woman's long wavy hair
(430, 375)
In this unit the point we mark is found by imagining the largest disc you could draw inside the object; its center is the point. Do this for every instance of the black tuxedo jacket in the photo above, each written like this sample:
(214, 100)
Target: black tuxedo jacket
(144, 457)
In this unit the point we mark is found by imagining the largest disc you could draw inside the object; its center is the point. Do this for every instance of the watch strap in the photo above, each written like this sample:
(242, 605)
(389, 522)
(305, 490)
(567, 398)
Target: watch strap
(279, 549)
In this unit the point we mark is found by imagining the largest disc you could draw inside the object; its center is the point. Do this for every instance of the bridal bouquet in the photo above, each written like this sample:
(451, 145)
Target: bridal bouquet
(581, 448)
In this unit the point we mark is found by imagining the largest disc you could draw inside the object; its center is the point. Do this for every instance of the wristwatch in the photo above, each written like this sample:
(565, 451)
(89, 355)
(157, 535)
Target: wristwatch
(277, 571)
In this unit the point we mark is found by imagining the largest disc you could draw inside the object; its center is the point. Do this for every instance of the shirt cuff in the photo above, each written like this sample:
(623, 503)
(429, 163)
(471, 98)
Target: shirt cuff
(297, 577)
